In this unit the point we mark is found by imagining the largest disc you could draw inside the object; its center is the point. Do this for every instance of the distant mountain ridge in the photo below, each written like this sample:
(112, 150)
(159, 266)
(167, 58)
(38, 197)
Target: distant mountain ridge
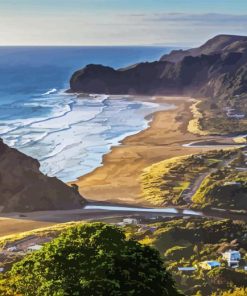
(24, 188)
(218, 44)
(216, 69)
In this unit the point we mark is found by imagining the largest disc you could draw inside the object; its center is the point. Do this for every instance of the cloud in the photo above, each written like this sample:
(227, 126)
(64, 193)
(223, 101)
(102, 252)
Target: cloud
(83, 28)
(184, 28)
(208, 18)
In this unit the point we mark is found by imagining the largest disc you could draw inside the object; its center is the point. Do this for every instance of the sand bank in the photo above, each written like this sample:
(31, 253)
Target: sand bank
(117, 180)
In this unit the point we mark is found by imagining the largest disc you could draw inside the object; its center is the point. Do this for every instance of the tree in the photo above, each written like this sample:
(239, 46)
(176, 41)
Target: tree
(92, 260)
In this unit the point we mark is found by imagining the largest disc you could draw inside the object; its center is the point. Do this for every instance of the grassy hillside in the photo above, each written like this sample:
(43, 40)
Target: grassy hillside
(187, 242)
(166, 182)
(211, 116)
(225, 188)
(181, 242)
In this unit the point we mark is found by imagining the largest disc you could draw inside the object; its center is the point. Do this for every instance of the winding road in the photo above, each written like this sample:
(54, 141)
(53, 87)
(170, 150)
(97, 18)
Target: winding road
(195, 185)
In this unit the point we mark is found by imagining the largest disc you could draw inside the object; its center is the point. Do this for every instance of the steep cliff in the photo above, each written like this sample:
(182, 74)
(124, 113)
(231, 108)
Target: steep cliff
(217, 68)
(24, 188)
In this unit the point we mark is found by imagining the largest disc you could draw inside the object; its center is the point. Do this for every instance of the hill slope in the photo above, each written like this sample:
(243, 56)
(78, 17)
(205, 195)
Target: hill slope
(217, 68)
(24, 188)
(218, 44)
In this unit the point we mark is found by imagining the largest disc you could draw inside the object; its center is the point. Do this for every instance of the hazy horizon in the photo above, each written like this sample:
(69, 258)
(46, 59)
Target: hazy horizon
(176, 23)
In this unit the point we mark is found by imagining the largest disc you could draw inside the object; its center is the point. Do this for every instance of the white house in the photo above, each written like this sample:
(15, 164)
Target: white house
(1, 269)
(34, 248)
(232, 257)
(130, 221)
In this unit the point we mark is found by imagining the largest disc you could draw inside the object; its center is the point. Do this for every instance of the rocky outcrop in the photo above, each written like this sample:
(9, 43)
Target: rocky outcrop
(24, 188)
(217, 69)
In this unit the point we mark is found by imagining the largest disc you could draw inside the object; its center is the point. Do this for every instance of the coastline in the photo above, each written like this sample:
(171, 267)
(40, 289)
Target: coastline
(117, 180)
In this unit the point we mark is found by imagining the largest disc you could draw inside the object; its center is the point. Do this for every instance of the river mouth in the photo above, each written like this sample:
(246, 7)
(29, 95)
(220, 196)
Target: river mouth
(169, 211)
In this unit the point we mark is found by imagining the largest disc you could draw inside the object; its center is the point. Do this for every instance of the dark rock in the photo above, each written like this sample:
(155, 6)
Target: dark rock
(217, 68)
(24, 188)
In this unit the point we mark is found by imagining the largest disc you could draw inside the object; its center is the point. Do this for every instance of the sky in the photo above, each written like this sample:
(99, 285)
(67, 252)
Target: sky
(119, 22)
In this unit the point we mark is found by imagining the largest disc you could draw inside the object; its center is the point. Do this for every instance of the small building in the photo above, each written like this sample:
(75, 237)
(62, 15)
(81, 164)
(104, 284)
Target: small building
(130, 221)
(208, 265)
(1, 269)
(187, 269)
(34, 248)
(232, 257)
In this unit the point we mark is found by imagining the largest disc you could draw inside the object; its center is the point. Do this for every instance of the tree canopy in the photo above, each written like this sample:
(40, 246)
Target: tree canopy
(91, 259)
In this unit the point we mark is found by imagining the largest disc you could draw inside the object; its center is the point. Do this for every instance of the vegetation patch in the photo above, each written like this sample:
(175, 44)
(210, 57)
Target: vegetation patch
(167, 182)
(188, 242)
(220, 116)
(181, 243)
(90, 259)
(225, 188)
(195, 126)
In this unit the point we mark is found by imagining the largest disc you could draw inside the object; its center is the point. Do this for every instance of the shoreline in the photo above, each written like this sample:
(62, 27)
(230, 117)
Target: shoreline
(147, 119)
(117, 179)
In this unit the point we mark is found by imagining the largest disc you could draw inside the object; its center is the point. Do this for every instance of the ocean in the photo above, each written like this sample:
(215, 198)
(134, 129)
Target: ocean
(67, 134)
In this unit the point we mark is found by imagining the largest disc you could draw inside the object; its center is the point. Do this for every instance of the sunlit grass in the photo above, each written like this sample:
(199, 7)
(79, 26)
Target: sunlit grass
(164, 183)
(40, 232)
(194, 125)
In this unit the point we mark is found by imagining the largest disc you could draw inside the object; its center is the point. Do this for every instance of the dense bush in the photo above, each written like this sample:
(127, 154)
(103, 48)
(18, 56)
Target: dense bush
(218, 190)
(235, 292)
(90, 259)
(187, 242)
(222, 277)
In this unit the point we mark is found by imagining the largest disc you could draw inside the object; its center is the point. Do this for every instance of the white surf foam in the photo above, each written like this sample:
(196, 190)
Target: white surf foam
(72, 138)
(49, 92)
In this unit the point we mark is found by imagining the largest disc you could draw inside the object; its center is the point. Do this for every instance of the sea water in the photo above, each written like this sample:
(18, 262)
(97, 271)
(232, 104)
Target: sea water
(67, 134)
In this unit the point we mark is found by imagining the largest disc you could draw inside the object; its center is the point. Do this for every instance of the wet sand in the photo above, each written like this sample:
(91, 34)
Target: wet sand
(117, 180)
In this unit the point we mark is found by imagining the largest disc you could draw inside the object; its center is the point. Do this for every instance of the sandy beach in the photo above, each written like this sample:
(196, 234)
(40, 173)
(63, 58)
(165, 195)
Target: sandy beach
(117, 180)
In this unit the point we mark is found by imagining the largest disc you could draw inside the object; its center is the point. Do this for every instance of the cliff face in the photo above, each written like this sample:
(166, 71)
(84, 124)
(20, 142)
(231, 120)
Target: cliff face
(24, 188)
(217, 68)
